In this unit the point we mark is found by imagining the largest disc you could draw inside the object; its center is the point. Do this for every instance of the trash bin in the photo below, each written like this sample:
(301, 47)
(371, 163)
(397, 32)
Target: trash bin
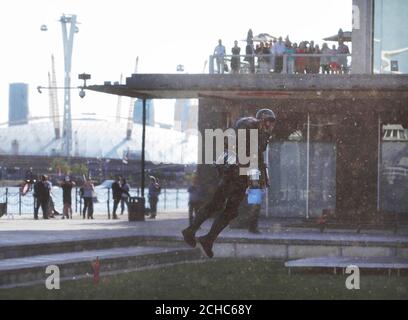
(3, 209)
(136, 209)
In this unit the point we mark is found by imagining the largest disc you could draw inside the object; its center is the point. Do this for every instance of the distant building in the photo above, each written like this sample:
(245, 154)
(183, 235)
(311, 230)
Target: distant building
(138, 112)
(18, 103)
(185, 114)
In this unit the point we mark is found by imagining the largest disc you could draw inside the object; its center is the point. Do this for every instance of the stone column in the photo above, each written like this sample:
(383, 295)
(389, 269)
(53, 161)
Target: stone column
(362, 37)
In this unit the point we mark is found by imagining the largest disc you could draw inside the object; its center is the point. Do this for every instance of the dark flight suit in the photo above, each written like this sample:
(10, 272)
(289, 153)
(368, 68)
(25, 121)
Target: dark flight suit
(231, 188)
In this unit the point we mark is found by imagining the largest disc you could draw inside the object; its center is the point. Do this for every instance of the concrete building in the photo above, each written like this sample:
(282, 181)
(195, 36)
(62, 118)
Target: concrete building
(138, 112)
(185, 114)
(18, 103)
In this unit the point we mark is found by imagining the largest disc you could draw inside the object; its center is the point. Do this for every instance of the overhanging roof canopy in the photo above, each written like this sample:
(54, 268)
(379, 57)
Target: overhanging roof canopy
(256, 86)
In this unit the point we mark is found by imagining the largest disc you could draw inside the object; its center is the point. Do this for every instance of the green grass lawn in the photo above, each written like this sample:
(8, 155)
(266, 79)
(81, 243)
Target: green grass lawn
(221, 279)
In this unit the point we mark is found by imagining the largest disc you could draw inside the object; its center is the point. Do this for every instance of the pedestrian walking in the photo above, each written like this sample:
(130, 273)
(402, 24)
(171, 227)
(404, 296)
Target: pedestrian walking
(154, 191)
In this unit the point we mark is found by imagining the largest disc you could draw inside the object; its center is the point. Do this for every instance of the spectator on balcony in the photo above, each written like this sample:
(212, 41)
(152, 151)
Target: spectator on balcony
(250, 56)
(272, 57)
(343, 49)
(219, 54)
(315, 60)
(250, 35)
(310, 49)
(267, 52)
(325, 59)
(300, 62)
(289, 50)
(279, 50)
(262, 62)
(334, 64)
(236, 59)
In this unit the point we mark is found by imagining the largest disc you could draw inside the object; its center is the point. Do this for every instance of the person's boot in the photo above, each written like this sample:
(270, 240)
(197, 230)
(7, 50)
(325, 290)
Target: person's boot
(115, 216)
(206, 246)
(253, 223)
(189, 237)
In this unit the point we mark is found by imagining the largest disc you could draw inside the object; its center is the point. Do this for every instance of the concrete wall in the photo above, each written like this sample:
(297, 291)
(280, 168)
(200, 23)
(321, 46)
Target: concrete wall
(362, 37)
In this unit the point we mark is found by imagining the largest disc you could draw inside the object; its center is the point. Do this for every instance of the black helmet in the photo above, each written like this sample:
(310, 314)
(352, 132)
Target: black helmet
(266, 114)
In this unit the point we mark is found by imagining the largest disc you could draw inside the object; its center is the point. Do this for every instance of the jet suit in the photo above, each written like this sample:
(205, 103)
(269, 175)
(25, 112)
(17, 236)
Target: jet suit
(231, 189)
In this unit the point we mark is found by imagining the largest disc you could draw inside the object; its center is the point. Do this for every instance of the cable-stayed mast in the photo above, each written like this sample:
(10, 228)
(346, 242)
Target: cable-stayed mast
(53, 96)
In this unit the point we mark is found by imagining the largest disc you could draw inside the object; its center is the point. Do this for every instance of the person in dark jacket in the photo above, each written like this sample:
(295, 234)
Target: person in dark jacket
(154, 191)
(67, 186)
(250, 55)
(35, 196)
(125, 196)
(232, 186)
(195, 199)
(116, 195)
(43, 195)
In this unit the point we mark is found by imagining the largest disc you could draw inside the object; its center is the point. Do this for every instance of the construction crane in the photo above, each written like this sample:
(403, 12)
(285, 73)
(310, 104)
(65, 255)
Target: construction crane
(53, 99)
(131, 107)
(119, 104)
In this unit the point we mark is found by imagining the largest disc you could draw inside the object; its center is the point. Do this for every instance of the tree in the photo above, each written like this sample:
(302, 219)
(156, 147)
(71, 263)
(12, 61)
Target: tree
(79, 169)
(60, 165)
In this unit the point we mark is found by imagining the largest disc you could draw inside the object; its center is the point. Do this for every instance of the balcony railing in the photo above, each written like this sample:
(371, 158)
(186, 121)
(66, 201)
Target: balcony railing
(286, 64)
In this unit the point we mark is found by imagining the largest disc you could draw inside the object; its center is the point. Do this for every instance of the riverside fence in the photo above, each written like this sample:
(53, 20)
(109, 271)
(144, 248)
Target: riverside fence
(17, 204)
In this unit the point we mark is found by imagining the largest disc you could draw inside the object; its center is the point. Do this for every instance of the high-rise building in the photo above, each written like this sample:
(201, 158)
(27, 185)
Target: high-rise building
(185, 114)
(138, 112)
(18, 103)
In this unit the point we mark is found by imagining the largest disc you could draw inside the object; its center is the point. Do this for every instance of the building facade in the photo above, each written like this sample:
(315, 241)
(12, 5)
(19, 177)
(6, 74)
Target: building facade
(18, 103)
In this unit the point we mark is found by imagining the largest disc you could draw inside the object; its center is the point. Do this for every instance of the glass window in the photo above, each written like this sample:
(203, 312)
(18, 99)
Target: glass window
(390, 36)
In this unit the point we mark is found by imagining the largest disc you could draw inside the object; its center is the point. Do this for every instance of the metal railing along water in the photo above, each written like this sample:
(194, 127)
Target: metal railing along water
(17, 204)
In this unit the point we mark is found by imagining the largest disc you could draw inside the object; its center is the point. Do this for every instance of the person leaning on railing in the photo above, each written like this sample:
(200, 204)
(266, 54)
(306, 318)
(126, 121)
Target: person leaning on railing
(250, 53)
(219, 54)
(235, 60)
(343, 49)
(325, 59)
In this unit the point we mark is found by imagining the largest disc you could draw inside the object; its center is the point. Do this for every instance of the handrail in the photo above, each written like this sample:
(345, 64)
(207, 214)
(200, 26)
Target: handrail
(285, 56)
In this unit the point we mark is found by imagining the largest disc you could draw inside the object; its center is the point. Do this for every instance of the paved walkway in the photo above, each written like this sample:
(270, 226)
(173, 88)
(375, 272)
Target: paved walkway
(25, 230)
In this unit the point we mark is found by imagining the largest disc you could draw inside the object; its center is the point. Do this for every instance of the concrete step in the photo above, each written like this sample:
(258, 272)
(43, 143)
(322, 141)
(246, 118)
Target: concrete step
(388, 263)
(31, 270)
(281, 245)
(65, 246)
